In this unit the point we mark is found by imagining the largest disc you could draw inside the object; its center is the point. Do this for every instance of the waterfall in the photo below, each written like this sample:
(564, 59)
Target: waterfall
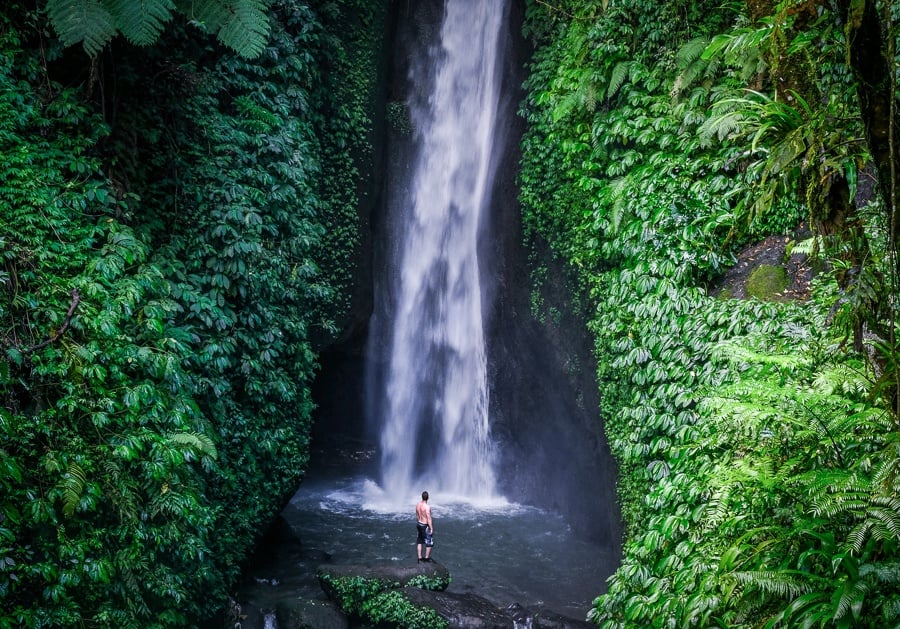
(433, 412)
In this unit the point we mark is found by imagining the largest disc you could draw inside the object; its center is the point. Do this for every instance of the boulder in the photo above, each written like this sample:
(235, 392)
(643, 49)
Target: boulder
(406, 591)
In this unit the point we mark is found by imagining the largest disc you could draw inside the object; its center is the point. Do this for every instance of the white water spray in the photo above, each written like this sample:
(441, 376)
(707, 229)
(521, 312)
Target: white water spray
(435, 432)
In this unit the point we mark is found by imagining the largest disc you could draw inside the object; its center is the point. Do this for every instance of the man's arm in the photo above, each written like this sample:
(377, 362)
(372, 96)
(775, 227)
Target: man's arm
(428, 518)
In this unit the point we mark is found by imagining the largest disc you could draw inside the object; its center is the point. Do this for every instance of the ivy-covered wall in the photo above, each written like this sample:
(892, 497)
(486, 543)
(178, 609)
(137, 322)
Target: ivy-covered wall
(178, 228)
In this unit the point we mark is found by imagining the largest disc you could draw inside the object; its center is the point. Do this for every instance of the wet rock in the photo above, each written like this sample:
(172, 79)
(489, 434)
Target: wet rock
(424, 585)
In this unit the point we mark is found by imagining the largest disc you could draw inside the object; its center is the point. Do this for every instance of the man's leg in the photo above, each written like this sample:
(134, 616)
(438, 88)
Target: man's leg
(419, 551)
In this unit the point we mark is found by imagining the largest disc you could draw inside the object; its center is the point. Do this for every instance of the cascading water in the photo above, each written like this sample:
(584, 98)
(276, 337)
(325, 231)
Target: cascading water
(427, 366)
(434, 410)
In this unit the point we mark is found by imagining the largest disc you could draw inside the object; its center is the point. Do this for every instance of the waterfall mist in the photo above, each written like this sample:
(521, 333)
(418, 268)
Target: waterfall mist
(432, 410)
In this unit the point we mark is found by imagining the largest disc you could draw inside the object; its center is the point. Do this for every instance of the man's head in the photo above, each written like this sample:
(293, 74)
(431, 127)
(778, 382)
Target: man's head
(425, 495)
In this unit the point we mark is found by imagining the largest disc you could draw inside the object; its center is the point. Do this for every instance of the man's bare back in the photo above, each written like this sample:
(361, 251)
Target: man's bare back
(423, 514)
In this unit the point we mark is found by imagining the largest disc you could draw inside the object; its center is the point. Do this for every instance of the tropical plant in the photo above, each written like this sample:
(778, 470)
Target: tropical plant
(242, 25)
(160, 260)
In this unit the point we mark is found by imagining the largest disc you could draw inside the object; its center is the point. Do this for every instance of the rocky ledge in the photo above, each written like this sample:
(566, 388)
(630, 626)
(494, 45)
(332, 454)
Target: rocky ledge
(415, 596)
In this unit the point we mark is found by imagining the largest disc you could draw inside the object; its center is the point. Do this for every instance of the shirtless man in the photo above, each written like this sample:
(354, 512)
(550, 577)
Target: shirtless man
(425, 528)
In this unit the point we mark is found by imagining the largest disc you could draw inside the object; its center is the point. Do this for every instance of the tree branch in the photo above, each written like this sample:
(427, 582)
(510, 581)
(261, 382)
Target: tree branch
(62, 330)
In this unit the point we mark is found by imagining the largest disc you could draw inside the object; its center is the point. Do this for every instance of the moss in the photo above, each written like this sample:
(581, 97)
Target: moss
(767, 281)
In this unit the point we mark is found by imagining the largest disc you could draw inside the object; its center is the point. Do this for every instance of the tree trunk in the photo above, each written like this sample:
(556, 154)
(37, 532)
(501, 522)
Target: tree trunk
(873, 79)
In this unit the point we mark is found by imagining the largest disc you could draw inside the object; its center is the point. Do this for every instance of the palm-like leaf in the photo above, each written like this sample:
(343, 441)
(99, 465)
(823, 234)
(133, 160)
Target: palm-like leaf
(242, 25)
(141, 21)
(86, 21)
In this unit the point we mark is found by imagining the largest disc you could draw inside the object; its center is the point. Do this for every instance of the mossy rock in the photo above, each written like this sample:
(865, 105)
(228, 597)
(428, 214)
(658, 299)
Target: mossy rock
(767, 281)
(374, 593)
(350, 585)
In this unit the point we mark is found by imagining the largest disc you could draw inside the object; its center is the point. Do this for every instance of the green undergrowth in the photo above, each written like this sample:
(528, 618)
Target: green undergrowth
(169, 268)
(758, 454)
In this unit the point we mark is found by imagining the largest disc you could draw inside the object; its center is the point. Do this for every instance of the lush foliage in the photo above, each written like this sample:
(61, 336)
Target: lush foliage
(163, 219)
(757, 451)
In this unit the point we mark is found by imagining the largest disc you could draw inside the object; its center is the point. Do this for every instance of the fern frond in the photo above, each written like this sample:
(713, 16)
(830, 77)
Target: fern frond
(72, 486)
(726, 125)
(886, 475)
(858, 537)
(820, 481)
(199, 442)
(843, 380)
(617, 77)
(831, 505)
(247, 30)
(887, 513)
(691, 51)
(809, 247)
(242, 25)
(692, 64)
(619, 191)
(780, 583)
(851, 598)
(734, 352)
(589, 96)
(140, 21)
(84, 21)
(887, 573)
